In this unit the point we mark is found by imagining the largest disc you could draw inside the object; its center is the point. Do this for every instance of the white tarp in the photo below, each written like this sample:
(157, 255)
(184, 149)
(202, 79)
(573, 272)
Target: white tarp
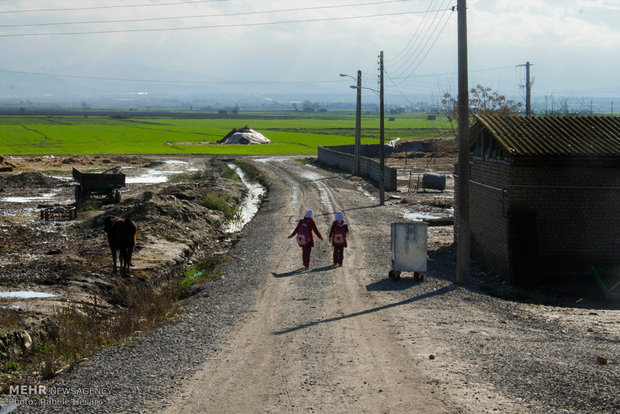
(247, 136)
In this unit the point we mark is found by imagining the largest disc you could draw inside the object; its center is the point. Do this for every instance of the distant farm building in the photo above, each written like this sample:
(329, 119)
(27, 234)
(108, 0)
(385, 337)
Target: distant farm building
(545, 196)
(244, 136)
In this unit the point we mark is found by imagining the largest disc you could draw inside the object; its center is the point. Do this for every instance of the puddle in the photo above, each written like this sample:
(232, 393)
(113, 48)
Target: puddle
(158, 176)
(6, 409)
(363, 191)
(250, 204)
(272, 159)
(419, 216)
(151, 177)
(26, 294)
(32, 199)
(310, 175)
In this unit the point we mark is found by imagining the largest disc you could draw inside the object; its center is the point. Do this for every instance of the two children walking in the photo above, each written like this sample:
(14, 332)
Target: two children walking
(337, 236)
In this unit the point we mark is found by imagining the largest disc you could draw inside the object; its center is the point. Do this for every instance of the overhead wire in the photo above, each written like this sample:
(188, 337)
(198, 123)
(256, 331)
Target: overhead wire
(216, 26)
(180, 82)
(119, 6)
(414, 56)
(428, 47)
(400, 55)
(194, 16)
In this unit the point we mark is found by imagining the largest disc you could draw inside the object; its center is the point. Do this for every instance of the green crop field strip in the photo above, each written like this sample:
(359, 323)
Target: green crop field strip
(290, 133)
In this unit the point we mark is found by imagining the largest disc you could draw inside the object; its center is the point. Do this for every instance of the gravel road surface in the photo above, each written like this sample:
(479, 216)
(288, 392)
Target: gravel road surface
(270, 338)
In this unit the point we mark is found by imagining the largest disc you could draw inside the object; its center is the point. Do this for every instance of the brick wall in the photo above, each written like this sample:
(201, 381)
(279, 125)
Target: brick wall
(488, 224)
(575, 212)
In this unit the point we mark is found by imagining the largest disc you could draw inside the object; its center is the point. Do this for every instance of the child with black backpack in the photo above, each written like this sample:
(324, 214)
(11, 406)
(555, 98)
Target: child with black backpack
(338, 237)
(304, 230)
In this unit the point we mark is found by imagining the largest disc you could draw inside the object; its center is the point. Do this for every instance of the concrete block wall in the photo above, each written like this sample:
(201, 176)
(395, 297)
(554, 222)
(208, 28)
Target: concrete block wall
(341, 156)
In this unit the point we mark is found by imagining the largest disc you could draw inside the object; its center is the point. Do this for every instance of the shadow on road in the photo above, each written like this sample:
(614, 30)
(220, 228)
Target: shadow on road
(321, 269)
(386, 285)
(291, 273)
(423, 296)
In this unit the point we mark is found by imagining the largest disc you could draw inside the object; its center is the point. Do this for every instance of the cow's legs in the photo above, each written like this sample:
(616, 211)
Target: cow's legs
(114, 259)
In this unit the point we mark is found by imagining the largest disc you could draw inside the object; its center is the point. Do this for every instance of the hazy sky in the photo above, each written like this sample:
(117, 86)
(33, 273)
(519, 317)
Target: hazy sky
(574, 45)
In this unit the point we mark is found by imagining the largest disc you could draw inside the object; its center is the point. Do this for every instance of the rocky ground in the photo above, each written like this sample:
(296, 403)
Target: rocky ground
(66, 263)
(267, 337)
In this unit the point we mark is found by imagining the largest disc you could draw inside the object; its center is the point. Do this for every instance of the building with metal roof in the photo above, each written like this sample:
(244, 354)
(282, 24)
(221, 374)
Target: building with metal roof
(545, 197)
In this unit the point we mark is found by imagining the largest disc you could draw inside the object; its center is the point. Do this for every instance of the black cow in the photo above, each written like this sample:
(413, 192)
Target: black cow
(122, 234)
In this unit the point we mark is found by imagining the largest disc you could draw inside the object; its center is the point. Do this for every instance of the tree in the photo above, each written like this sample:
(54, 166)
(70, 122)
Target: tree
(482, 101)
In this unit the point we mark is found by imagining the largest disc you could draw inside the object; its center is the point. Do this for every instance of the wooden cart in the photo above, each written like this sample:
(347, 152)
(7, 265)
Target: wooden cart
(105, 184)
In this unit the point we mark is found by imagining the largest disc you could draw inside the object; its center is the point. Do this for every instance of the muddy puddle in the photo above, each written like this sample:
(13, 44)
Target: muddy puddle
(34, 250)
(249, 206)
(161, 173)
(25, 294)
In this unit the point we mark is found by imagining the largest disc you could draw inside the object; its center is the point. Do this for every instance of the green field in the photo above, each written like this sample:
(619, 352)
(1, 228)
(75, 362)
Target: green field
(291, 133)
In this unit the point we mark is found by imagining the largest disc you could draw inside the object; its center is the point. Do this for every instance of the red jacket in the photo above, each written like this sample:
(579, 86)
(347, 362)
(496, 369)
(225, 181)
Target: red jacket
(311, 225)
(346, 230)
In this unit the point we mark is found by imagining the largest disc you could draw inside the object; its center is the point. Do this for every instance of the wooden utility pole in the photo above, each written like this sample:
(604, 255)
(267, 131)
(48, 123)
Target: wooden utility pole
(381, 133)
(462, 219)
(358, 125)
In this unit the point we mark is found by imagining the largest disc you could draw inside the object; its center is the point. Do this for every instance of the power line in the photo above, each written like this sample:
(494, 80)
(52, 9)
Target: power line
(323, 19)
(267, 82)
(420, 61)
(420, 27)
(193, 16)
(122, 6)
(419, 50)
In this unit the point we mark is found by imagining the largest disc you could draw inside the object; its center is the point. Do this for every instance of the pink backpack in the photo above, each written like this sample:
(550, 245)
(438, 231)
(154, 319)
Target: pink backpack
(303, 235)
(338, 235)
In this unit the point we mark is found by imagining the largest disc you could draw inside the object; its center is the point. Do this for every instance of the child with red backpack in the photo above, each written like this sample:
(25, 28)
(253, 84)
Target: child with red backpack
(304, 230)
(338, 237)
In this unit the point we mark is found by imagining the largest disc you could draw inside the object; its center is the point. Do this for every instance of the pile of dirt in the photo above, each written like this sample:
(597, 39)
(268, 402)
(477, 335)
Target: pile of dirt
(29, 179)
(59, 162)
(436, 154)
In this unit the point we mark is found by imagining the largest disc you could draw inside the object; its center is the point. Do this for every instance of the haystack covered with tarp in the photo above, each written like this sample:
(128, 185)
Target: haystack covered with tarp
(244, 136)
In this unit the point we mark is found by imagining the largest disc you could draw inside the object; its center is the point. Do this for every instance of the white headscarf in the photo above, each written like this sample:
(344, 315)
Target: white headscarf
(340, 217)
(309, 214)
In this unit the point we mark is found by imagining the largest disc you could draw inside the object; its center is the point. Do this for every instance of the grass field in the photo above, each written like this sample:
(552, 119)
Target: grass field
(291, 133)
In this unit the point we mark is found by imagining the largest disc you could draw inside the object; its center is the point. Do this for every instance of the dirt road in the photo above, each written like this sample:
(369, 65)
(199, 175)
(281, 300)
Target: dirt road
(348, 339)
(270, 338)
(316, 339)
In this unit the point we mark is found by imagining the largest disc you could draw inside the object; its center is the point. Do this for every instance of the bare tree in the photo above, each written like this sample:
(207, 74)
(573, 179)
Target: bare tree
(483, 101)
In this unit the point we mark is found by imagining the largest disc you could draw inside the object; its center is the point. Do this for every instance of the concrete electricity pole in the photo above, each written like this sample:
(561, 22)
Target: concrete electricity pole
(381, 133)
(462, 219)
(358, 125)
(358, 122)
(528, 89)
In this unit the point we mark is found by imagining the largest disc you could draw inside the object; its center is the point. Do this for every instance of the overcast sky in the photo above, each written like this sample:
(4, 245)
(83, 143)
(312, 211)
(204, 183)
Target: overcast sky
(574, 45)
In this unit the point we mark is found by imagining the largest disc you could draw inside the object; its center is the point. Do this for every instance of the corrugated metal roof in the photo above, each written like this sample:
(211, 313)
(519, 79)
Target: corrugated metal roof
(555, 136)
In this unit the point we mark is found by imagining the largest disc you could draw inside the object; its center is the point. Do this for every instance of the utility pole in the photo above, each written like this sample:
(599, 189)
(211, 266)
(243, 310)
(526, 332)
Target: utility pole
(381, 133)
(462, 219)
(528, 89)
(358, 125)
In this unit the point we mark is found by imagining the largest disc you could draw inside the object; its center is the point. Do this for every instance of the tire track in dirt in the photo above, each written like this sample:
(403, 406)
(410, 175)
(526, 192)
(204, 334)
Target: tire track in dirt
(313, 342)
